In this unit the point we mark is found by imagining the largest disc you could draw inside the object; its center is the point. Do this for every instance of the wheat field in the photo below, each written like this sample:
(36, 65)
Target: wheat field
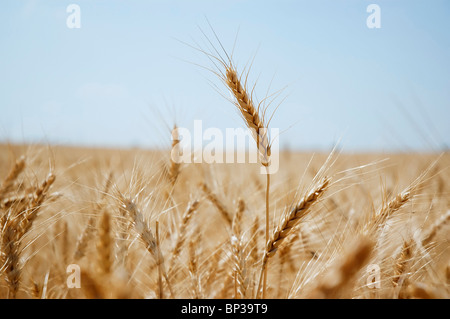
(140, 226)
(132, 223)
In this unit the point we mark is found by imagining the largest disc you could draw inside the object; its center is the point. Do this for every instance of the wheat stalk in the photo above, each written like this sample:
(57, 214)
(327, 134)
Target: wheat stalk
(254, 120)
(83, 239)
(291, 220)
(14, 226)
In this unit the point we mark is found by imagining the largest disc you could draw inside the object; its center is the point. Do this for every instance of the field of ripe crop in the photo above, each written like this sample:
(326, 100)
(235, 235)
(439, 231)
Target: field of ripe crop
(237, 185)
(112, 223)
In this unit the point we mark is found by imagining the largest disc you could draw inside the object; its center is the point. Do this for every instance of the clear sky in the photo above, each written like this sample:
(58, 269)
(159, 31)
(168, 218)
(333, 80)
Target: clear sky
(127, 74)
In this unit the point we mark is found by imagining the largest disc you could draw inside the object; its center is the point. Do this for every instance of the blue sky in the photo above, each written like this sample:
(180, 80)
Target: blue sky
(126, 76)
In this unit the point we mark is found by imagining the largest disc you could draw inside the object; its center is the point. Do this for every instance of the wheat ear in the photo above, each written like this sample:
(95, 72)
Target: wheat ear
(294, 217)
(386, 211)
(290, 220)
(217, 203)
(146, 235)
(34, 206)
(13, 228)
(250, 114)
(18, 167)
(174, 168)
(401, 263)
(83, 239)
(182, 231)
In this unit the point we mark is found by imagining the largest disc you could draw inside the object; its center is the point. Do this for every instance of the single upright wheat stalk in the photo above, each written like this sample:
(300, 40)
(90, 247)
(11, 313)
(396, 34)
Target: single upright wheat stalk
(254, 120)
